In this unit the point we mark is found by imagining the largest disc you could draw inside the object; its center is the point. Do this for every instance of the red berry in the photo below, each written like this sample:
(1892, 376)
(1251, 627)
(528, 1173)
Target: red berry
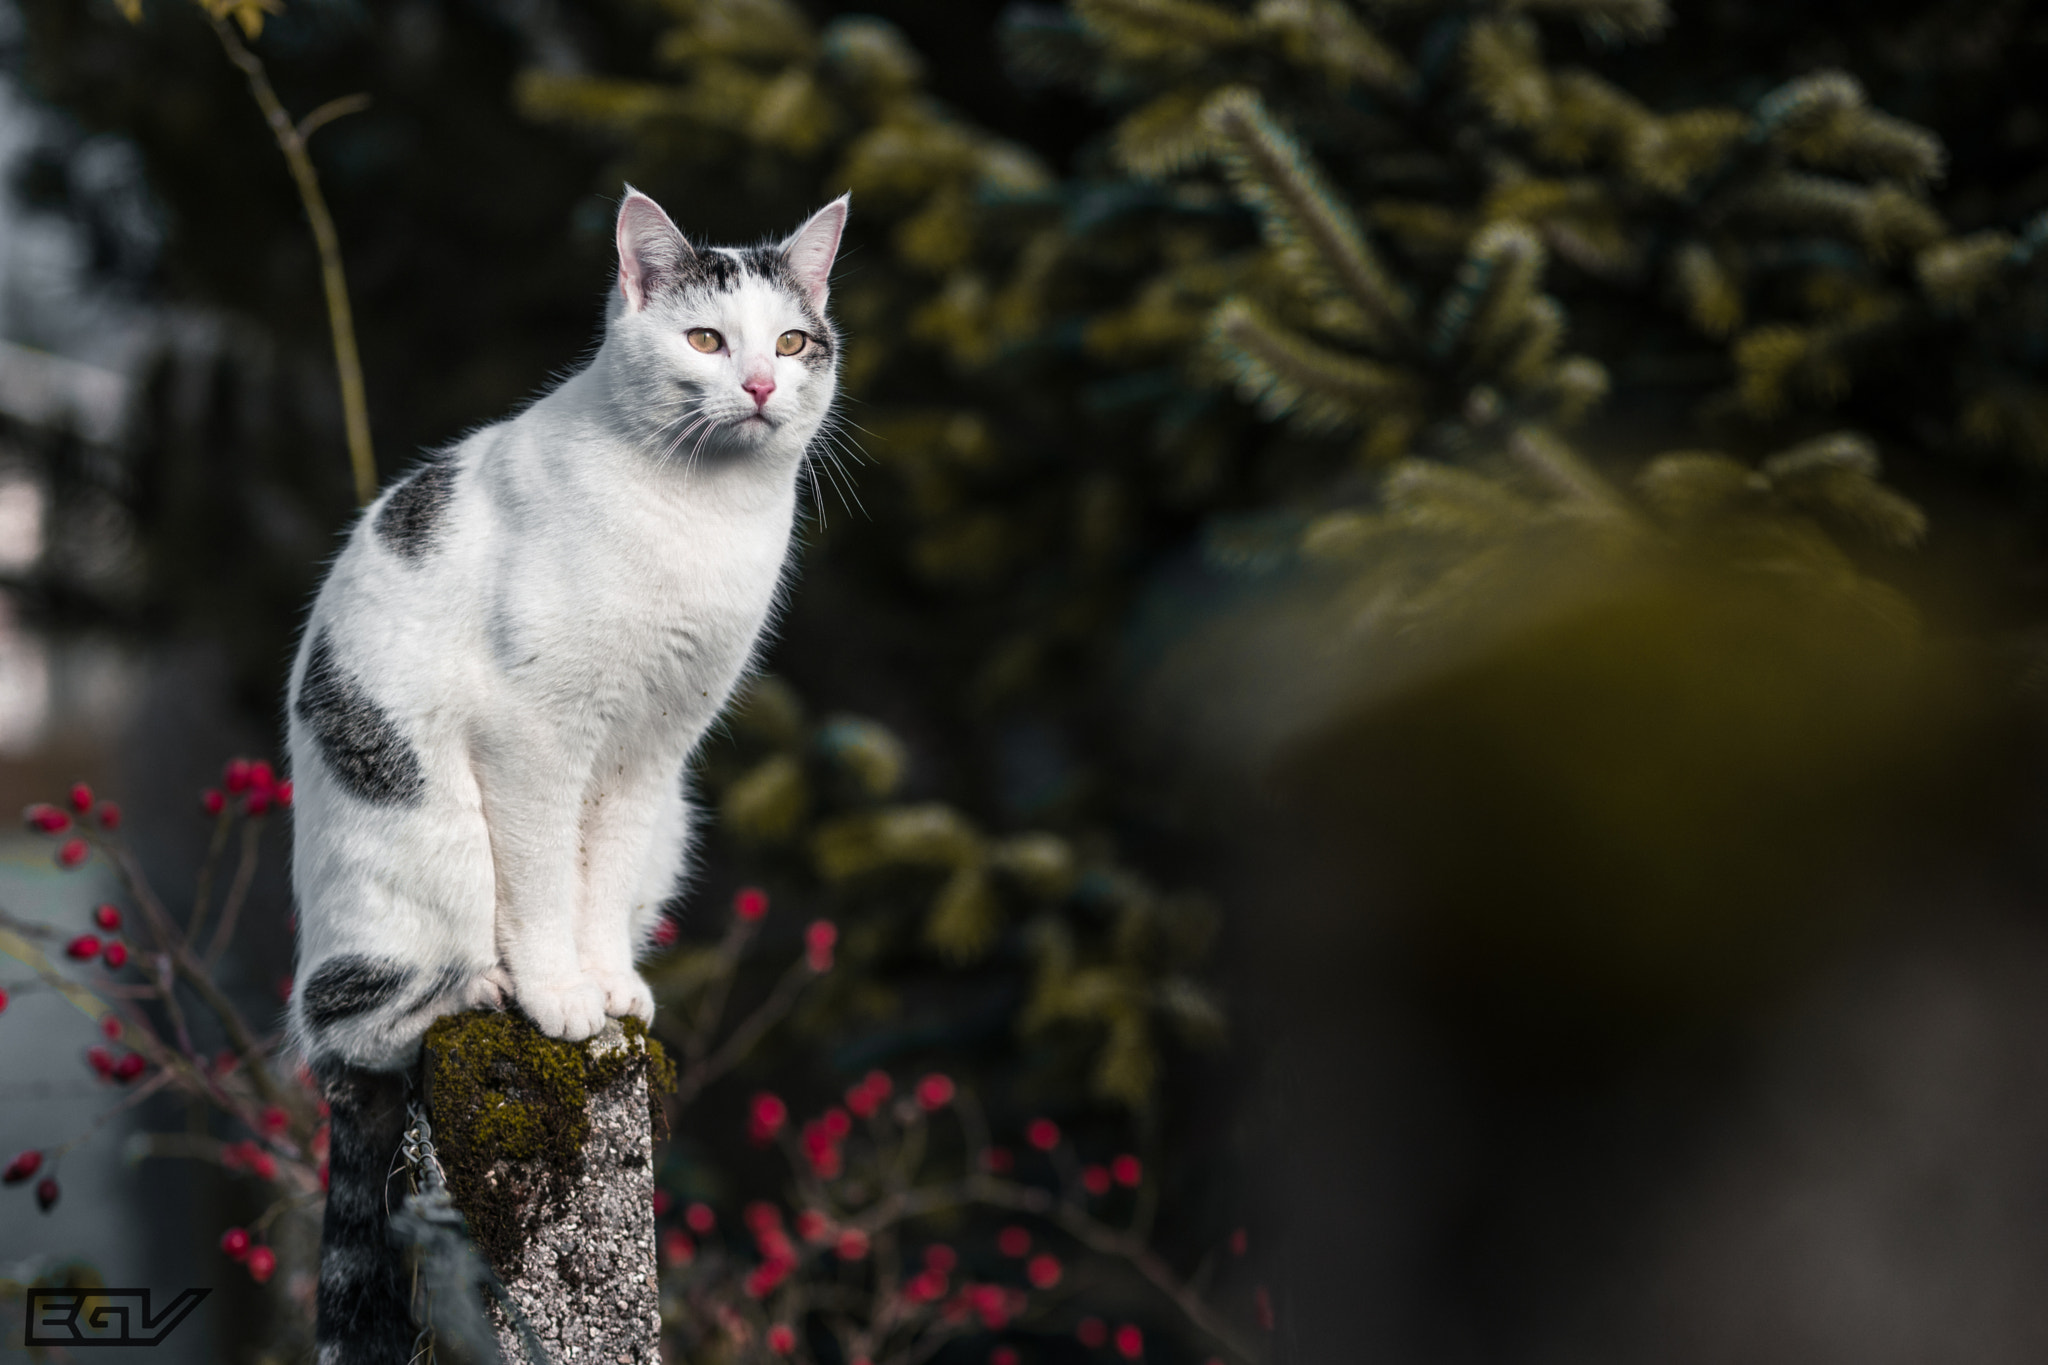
(3, 1002)
(661, 1203)
(940, 1258)
(46, 1193)
(934, 1092)
(1095, 1180)
(110, 815)
(81, 797)
(45, 819)
(1003, 1355)
(1043, 1134)
(1091, 1332)
(999, 1160)
(107, 918)
(863, 1099)
(263, 1164)
(766, 1116)
(115, 956)
(262, 1261)
(1042, 1271)
(84, 948)
(837, 1123)
(261, 777)
(700, 1218)
(665, 933)
(676, 1247)
(781, 1339)
(235, 1242)
(71, 854)
(1130, 1342)
(100, 1060)
(852, 1245)
(761, 1281)
(813, 1226)
(129, 1067)
(213, 801)
(1127, 1170)
(110, 1025)
(750, 904)
(274, 1121)
(1013, 1241)
(22, 1167)
(235, 776)
(990, 1304)
(818, 941)
(257, 803)
(283, 795)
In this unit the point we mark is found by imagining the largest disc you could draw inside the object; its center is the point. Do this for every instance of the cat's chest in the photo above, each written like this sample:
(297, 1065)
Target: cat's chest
(662, 609)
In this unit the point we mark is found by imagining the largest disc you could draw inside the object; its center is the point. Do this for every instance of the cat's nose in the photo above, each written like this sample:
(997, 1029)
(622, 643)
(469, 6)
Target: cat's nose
(760, 386)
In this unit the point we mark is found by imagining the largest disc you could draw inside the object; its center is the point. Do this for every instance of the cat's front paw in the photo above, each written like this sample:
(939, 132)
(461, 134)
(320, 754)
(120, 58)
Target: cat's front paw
(625, 993)
(570, 1010)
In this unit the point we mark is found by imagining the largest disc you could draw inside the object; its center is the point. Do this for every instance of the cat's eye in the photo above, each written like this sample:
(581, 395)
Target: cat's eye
(706, 340)
(789, 343)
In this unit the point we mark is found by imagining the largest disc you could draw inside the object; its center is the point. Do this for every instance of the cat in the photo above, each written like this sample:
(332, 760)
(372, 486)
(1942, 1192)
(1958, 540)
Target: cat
(501, 683)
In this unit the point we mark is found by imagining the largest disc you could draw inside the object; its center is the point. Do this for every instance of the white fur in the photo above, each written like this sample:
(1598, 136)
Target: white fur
(597, 586)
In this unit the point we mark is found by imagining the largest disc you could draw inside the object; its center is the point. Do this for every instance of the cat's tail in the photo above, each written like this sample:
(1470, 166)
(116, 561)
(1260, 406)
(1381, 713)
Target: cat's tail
(364, 1312)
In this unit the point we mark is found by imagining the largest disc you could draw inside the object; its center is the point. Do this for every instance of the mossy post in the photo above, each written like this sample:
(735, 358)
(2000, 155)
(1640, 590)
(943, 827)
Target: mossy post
(549, 1152)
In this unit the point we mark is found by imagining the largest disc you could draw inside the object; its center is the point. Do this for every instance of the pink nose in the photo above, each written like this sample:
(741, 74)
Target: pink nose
(760, 386)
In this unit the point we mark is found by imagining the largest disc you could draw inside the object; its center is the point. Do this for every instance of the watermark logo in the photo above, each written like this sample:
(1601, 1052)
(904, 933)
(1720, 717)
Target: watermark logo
(103, 1317)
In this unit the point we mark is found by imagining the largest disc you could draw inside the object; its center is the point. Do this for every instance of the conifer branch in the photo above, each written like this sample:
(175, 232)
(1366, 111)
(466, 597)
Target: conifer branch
(1289, 375)
(1305, 223)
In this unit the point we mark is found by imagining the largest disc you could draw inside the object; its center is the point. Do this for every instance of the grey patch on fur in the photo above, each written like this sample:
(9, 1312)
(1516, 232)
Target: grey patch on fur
(352, 984)
(412, 513)
(358, 740)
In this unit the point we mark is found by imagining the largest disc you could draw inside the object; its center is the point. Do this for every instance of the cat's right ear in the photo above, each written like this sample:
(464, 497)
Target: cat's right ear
(653, 254)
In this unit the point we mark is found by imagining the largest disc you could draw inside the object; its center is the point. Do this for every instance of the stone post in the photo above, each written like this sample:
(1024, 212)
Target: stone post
(549, 1151)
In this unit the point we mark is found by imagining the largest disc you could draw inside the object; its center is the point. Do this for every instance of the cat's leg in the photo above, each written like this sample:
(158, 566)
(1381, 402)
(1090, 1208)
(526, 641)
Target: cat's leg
(397, 910)
(626, 825)
(532, 785)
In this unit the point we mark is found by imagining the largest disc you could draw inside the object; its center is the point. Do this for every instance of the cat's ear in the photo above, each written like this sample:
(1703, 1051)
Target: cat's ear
(810, 249)
(653, 254)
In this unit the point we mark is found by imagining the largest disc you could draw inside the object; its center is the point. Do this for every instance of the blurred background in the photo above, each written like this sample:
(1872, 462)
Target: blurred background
(1429, 615)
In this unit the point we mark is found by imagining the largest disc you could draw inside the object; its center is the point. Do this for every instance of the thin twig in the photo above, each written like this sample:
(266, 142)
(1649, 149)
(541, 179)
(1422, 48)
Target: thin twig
(291, 140)
(193, 972)
(238, 891)
(330, 111)
(711, 1008)
(202, 893)
(1107, 1241)
(128, 1101)
(751, 1030)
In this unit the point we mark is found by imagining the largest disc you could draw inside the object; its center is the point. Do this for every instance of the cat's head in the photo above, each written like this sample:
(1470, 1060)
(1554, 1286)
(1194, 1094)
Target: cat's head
(725, 350)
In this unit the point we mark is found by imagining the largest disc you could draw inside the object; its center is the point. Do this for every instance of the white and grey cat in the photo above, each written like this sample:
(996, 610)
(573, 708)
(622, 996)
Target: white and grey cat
(503, 679)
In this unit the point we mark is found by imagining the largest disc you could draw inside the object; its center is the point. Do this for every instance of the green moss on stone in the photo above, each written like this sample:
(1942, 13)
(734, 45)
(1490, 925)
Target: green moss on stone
(511, 1114)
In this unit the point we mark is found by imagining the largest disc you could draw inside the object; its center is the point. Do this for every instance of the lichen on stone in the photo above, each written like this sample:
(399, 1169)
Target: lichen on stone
(511, 1114)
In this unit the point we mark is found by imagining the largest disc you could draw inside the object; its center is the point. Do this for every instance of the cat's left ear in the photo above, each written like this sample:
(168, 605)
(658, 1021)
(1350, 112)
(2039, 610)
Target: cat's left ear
(811, 248)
